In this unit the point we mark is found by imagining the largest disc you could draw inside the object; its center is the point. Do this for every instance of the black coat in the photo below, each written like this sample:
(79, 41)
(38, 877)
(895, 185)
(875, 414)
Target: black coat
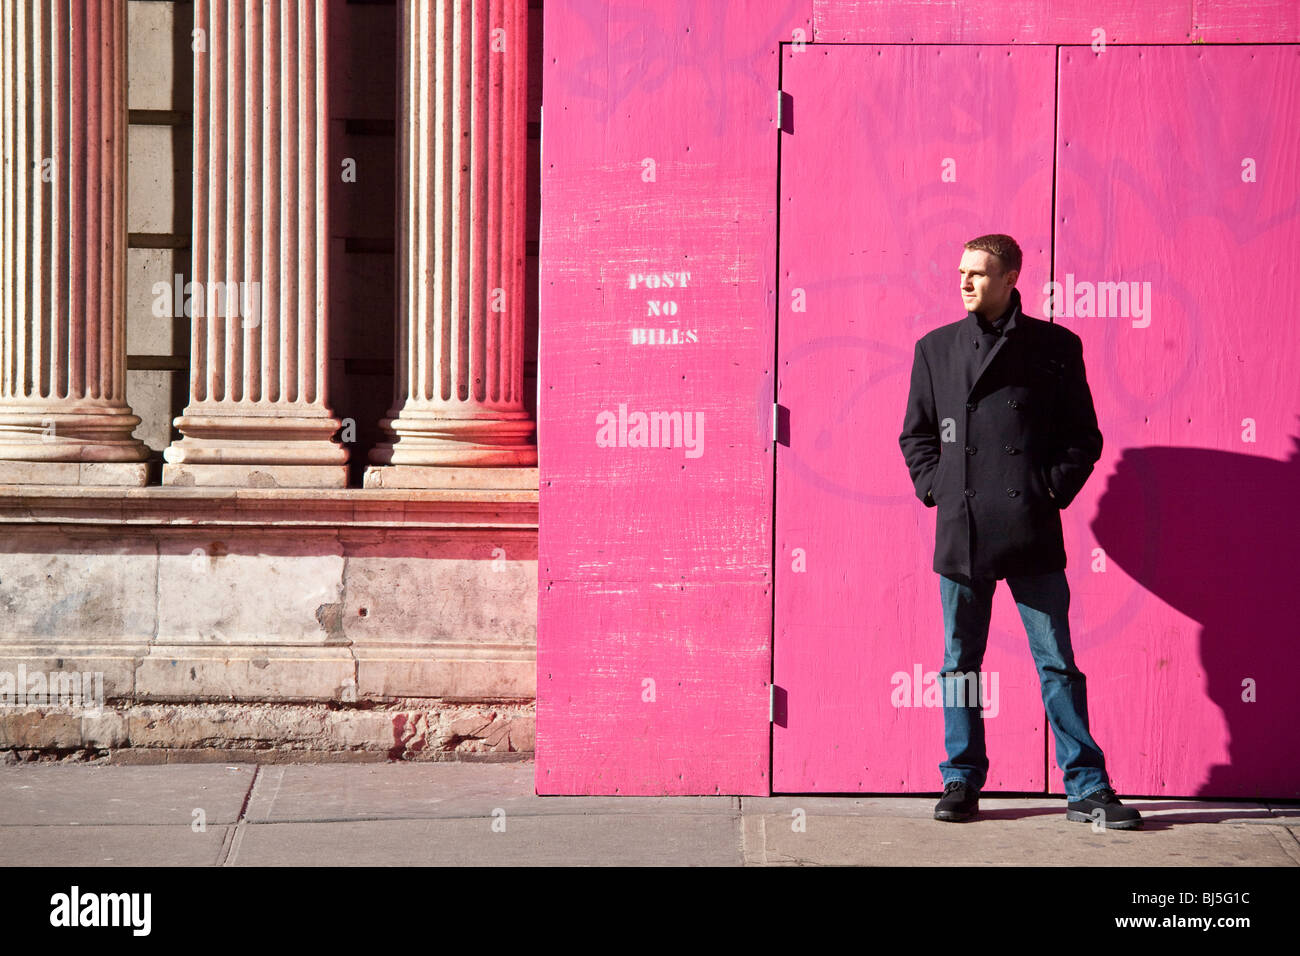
(1000, 441)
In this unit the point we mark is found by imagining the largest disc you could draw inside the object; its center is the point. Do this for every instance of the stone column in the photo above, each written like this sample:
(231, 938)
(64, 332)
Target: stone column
(63, 413)
(460, 309)
(257, 414)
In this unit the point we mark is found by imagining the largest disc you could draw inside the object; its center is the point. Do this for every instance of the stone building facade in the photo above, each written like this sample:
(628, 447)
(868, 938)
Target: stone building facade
(268, 324)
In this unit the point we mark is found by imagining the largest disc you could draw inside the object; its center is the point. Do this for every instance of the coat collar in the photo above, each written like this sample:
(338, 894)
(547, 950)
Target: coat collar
(1013, 307)
(971, 329)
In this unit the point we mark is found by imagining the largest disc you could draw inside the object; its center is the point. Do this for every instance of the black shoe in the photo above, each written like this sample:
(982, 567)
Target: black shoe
(959, 802)
(1105, 807)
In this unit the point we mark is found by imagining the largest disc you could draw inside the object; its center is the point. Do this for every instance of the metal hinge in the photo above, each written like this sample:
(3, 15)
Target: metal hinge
(782, 99)
(771, 703)
(776, 420)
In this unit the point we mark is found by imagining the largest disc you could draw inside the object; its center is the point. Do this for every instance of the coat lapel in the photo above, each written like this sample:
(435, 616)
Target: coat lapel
(1007, 331)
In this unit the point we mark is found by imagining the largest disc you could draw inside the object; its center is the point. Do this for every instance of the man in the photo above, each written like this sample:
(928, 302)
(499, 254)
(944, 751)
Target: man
(1000, 434)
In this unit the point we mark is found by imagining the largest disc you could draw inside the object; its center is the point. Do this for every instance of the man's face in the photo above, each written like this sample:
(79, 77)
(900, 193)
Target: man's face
(985, 288)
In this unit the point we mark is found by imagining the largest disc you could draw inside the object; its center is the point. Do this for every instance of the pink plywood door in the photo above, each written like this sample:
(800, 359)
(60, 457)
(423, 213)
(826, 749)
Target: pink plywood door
(891, 157)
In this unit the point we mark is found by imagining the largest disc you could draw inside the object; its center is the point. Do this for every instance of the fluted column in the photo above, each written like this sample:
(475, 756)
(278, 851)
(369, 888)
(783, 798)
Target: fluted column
(63, 412)
(257, 412)
(460, 306)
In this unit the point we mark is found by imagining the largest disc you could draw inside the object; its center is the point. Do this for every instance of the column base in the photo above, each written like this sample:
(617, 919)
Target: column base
(83, 444)
(450, 476)
(423, 437)
(256, 451)
(453, 456)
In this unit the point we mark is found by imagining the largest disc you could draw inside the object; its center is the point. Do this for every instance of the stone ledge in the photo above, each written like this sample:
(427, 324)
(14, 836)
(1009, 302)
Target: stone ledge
(488, 477)
(201, 474)
(155, 756)
(354, 675)
(276, 733)
(453, 507)
(77, 475)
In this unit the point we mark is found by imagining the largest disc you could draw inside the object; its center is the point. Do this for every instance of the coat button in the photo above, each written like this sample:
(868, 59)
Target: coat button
(970, 492)
(1011, 492)
(1013, 403)
(1010, 449)
(970, 450)
(970, 406)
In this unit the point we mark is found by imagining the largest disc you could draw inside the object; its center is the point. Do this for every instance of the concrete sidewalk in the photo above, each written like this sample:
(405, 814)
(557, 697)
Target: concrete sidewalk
(487, 814)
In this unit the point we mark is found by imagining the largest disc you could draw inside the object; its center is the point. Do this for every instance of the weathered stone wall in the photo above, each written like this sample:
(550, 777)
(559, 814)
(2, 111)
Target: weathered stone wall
(359, 599)
(274, 733)
(274, 623)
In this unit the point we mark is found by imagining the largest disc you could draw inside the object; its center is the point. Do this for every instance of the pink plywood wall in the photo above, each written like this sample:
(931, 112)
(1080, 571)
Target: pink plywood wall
(1192, 504)
(655, 619)
(1057, 21)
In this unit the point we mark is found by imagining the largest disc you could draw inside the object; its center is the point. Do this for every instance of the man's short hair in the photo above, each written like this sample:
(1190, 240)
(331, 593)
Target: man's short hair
(1004, 247)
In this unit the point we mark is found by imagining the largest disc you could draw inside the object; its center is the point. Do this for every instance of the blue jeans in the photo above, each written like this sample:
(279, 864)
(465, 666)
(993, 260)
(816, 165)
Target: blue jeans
(1044, 602)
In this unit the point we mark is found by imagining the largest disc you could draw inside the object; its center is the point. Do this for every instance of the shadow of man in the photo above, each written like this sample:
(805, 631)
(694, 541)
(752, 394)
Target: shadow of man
(1216, 536)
